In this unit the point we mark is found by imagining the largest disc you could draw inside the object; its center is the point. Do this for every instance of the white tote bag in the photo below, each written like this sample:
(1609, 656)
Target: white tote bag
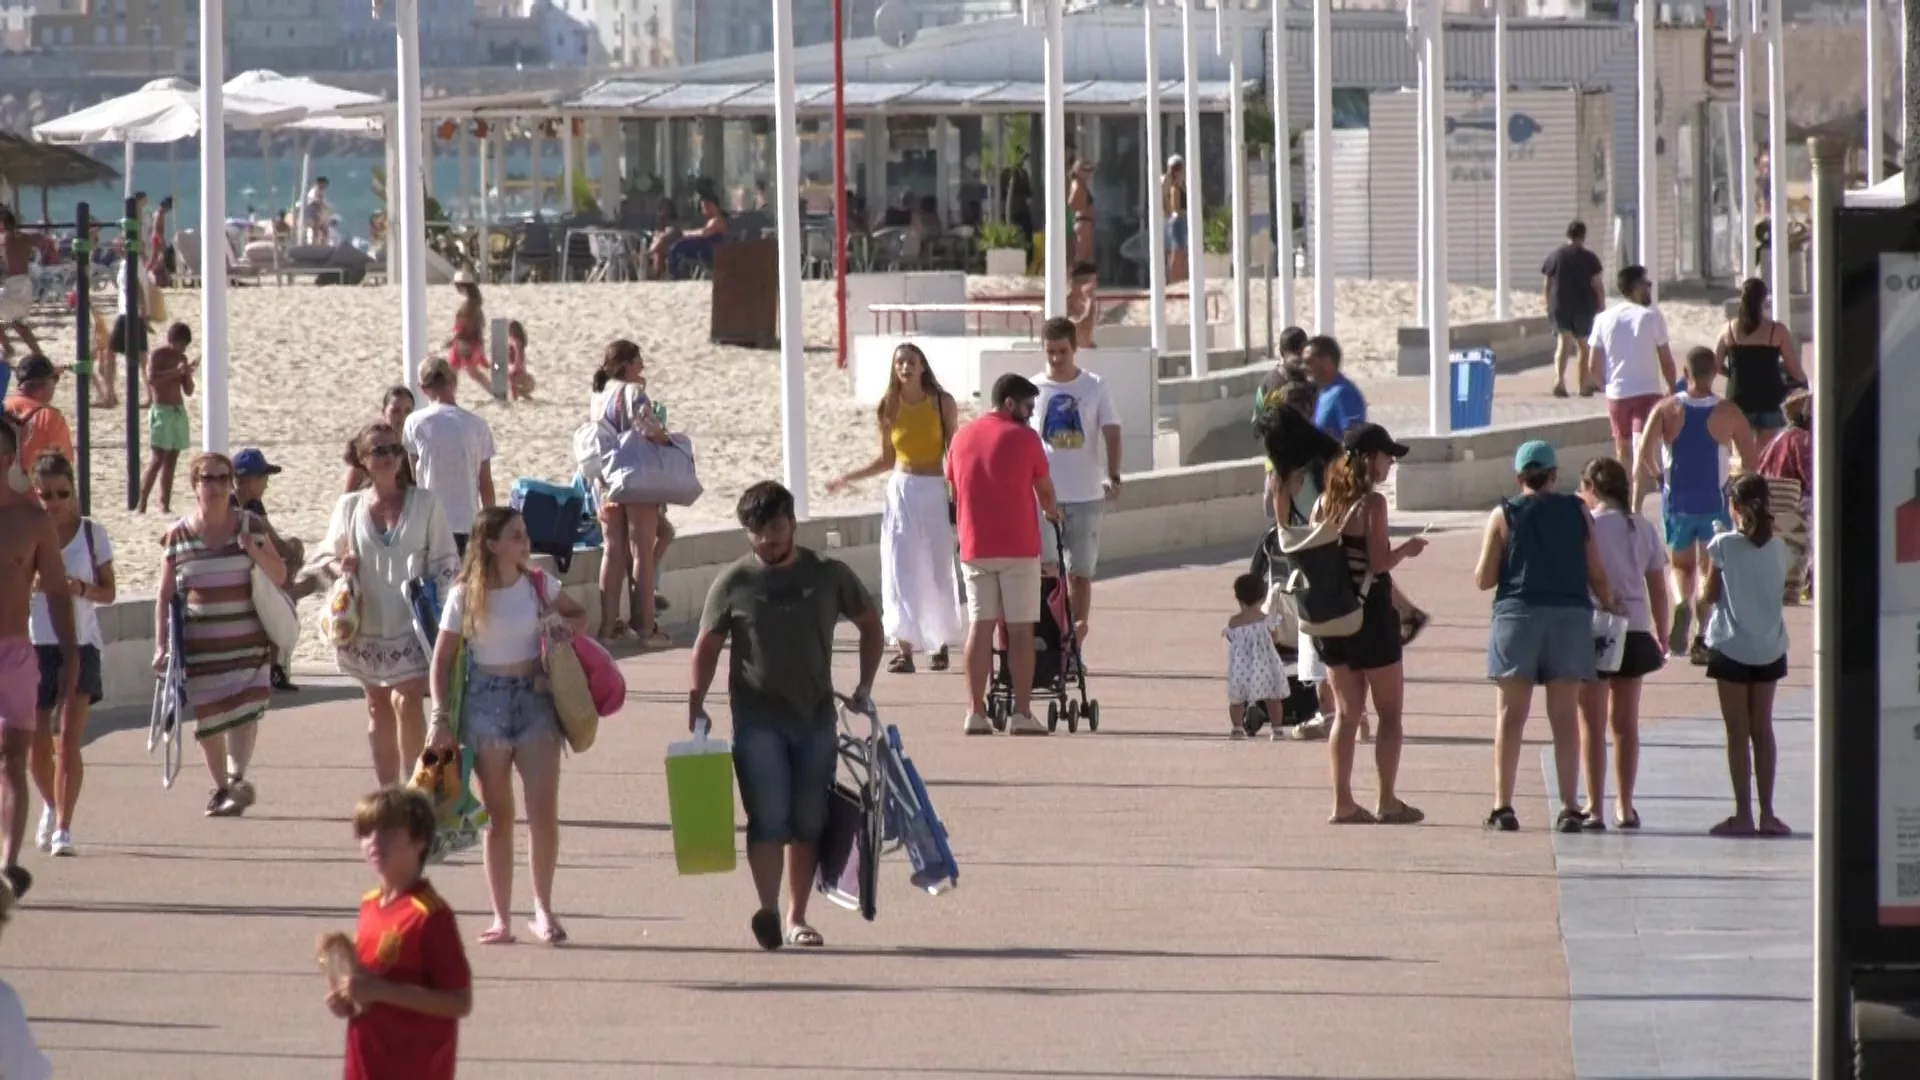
(275, 608)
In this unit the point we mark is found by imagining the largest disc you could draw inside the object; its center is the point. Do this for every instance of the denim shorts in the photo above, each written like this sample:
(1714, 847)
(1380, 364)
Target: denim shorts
(1080, 536)
(1766, 419)
(506, 710)
(1542, 645)
(785, 765)
(1685, 530)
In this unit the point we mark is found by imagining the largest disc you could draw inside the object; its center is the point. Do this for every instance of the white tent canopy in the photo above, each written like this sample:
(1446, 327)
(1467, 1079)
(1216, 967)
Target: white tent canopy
(320, 103)
(163, 111)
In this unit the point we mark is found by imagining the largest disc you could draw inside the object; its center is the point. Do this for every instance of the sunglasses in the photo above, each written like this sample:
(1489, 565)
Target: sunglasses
(387, 451)
(215, 479)
(55, 496)
(433, 759)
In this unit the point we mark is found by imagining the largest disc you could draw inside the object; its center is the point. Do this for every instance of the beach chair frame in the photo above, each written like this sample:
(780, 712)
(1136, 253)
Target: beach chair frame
(172, 709)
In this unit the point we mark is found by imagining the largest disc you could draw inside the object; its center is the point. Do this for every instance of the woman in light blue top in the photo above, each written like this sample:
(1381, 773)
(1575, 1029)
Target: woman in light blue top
(1746, 642)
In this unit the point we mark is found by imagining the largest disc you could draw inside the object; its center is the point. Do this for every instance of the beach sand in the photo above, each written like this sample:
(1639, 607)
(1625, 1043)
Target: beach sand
(309, 366)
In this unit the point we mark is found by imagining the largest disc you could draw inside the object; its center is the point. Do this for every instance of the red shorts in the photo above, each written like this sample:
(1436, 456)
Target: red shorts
(19, 685)
(466, 355)
(1628, 416)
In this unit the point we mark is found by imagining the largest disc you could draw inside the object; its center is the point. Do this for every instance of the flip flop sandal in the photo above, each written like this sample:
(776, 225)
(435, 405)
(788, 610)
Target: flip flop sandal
(1402, 814)
(18, 881)
(1733, 826)
(1359, 815)
(1630, 821)
(766, 930)
(1569, 821)
(1773, 827)
(1592, 821)
(939, 661)
(547, 930)
(901, 664)
(804, 936)
(496, 935)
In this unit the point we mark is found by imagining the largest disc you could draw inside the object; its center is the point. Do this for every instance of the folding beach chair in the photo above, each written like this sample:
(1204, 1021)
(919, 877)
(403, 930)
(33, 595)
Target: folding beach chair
(423, 596)
(885, 807)
(172, 711)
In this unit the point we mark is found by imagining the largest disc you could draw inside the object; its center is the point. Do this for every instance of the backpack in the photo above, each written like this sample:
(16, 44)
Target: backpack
(595, 441)
(1329, 603)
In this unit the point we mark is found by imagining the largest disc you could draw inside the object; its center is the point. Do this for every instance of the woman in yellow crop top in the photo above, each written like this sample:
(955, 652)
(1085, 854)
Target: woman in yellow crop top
(917, 419)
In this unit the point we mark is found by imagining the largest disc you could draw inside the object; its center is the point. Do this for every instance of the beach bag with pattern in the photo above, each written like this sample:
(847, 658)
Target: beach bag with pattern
(460, 820)
(1330, 604)
(567, 682)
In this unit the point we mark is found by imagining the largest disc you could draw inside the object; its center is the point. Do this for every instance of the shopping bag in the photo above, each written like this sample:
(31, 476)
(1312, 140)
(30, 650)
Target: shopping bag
(572, 693)
(1609, 641)
(461, 820)
(643, 471)
(339, 619)
(700, 803)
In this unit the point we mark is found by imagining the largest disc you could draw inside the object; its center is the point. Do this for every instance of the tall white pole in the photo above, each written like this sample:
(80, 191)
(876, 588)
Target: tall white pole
(1781, 286)
(1440, 341)
(126, 167)
(213, 227)
(1059, 218)
(1502, 279)
(411, 233)
(1876, 94)
(1743, 17)
(1423, 161)
(1196, 213)
(793, 369)
(483, 258)
(1647, 242)
(1323, 166)
(1156, 205)
(1229, 10)
(567, 148)
(1282, 66)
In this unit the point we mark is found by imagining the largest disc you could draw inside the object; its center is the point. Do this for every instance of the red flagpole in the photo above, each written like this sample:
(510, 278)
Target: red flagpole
(840, 176)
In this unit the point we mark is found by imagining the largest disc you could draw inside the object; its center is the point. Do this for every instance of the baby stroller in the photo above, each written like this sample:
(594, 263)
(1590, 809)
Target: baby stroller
(1059, 673)
(172, 711)
(883, 808)
(1300, 704)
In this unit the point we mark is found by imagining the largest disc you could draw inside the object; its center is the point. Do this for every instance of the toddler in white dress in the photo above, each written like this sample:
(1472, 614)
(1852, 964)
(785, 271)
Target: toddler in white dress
(1254, 670)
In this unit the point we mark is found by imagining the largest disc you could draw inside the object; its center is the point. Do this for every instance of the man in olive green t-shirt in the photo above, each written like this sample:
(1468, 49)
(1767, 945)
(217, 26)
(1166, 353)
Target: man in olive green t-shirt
(778, 606)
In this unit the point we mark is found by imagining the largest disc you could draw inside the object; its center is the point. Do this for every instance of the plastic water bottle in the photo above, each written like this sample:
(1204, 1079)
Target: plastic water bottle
(660, 413)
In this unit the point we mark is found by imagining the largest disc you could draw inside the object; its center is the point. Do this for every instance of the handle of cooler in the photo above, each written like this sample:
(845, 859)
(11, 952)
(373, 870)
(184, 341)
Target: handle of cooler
(701, 727)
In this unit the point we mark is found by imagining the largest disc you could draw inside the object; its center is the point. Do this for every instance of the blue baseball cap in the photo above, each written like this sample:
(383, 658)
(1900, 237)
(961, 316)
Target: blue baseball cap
(251, 462)
(1535, 454)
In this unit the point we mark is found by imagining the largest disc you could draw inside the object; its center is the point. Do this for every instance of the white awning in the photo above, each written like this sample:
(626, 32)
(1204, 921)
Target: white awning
(628, 98)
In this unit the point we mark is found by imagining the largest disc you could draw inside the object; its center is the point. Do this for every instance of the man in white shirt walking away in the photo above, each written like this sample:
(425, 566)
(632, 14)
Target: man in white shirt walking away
(452, 451)
(1632, 357)
(1073, 406)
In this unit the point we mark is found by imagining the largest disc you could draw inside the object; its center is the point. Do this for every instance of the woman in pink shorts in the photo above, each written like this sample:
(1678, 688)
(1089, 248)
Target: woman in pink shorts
(467, 351)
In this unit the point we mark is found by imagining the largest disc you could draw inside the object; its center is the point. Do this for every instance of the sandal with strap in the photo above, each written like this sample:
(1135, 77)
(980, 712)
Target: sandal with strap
(1401, 814)
(939, 661)
(901, 664)
(496, 935)
(1733, 826)
(804, 936)
(1771, 827)
(1629, 820)
(766, 929)
(1359, 815)
(547, 929)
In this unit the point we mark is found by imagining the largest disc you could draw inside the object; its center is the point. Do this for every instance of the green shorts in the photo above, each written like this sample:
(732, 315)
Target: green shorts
(167, 427)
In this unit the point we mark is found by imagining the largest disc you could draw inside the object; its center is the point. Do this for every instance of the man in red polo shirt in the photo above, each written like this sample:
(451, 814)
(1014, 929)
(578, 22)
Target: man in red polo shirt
(998, 469)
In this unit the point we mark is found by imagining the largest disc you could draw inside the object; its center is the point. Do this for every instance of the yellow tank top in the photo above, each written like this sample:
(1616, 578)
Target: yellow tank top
(917, 441)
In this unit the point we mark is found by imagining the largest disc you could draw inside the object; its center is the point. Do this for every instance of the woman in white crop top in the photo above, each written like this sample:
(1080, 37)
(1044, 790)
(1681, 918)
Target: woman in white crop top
(383, 536)
(506, 715)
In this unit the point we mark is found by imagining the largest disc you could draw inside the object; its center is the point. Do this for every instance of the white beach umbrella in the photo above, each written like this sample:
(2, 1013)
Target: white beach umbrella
(319, 101)
(163, 111)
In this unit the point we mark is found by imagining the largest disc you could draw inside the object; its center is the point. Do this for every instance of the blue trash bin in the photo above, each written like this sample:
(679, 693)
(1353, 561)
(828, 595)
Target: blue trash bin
(1472, 372)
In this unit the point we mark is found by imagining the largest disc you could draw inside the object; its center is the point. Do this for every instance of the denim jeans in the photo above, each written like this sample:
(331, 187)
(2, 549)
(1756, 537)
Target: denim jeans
(785, 764)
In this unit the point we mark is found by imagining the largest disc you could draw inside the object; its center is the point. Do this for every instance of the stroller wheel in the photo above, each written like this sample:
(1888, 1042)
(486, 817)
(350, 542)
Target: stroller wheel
(1053, 716)
(1073, 717)
(997, 715)
(1093, 716)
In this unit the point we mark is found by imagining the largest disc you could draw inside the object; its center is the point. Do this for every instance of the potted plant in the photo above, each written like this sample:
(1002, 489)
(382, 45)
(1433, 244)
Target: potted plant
(1216, 244)
(1006, 249)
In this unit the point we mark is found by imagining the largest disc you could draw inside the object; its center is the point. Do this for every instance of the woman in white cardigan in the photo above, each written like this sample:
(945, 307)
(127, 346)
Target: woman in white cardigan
(384, 536)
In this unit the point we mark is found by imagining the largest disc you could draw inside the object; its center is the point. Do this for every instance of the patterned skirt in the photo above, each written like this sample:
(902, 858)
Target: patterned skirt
(383, 661)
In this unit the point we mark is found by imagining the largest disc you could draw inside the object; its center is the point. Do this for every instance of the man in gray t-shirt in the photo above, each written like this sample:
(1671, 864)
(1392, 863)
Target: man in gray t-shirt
(778, 606)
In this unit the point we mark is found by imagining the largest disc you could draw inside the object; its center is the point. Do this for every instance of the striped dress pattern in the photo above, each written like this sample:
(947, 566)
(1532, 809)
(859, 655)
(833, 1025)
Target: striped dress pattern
(228, 653)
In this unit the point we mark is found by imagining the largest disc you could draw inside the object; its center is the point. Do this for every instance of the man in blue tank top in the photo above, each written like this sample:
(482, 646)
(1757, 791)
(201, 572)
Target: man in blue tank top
(1685, 445)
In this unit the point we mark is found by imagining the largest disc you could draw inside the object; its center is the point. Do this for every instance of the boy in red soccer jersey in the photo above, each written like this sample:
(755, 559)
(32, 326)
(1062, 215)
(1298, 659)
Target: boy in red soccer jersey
(412, 988)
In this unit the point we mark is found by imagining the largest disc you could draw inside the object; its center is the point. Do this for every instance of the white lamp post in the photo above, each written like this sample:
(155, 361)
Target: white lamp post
(1502, 282)
(213, 228)
(1439, 341)
(1229, 11)
(410, 231)
(1281, 63)
(1156, 206)
(1059, 222)
(793, 373)
(1323, 166)
(1740, 27)
(1196, 215)
(1876, 92)
(1781, 286)
(1647, 237)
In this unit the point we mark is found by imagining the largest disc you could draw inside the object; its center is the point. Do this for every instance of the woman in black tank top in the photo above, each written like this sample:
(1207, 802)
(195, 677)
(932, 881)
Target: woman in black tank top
(1760, 360)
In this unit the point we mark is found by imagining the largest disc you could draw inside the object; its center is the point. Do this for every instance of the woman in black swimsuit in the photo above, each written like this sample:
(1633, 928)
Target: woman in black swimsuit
(1761, 362)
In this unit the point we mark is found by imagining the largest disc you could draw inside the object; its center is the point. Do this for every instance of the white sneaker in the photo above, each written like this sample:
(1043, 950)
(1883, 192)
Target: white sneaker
(62, 843)
(1022, 724)
(44, 838)
(977, 725)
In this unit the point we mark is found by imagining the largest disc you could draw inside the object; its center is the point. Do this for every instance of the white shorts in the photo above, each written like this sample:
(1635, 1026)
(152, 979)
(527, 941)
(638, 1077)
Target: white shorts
(16, 298)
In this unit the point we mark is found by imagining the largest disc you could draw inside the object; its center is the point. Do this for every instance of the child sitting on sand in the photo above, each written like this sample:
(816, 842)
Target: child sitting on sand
(519, 381)
(410, 986)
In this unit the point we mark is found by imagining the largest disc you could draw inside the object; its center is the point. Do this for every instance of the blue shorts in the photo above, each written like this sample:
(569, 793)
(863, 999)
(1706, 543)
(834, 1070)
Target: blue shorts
(1686, 530)
(1766, 420)
(1082, 537)
(506, 710)
(785, 767)
(1542, 645)
(1177, 233)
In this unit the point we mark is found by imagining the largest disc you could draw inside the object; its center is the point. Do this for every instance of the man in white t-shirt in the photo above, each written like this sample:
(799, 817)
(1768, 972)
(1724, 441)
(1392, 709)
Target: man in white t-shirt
(1630, 353)
(452, 451)
(1072, 407)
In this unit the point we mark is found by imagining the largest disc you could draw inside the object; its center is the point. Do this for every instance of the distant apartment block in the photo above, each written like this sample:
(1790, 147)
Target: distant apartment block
(132, 37)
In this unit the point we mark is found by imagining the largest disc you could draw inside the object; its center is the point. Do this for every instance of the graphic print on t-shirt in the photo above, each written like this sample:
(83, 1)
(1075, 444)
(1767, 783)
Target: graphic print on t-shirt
(1061, 428)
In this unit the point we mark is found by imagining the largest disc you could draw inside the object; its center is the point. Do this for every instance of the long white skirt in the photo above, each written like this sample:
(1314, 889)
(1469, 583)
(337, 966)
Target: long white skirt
(919, 604)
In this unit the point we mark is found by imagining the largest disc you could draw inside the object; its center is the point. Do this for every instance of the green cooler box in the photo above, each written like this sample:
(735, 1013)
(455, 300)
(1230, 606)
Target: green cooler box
(700, 800)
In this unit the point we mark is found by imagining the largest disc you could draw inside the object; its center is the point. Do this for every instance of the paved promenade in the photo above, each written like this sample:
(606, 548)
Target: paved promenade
(1150, 901)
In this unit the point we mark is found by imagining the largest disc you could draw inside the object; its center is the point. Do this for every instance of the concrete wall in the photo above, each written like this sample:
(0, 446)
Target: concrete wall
(1158, 513)
(1517, 344)
(1474, 470)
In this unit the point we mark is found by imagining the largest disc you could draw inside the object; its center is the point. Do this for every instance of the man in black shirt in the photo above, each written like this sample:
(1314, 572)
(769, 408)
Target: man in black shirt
(1574, 294)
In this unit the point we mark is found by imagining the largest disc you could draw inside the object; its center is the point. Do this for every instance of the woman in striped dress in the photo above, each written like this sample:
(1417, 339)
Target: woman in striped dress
(210, 556)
